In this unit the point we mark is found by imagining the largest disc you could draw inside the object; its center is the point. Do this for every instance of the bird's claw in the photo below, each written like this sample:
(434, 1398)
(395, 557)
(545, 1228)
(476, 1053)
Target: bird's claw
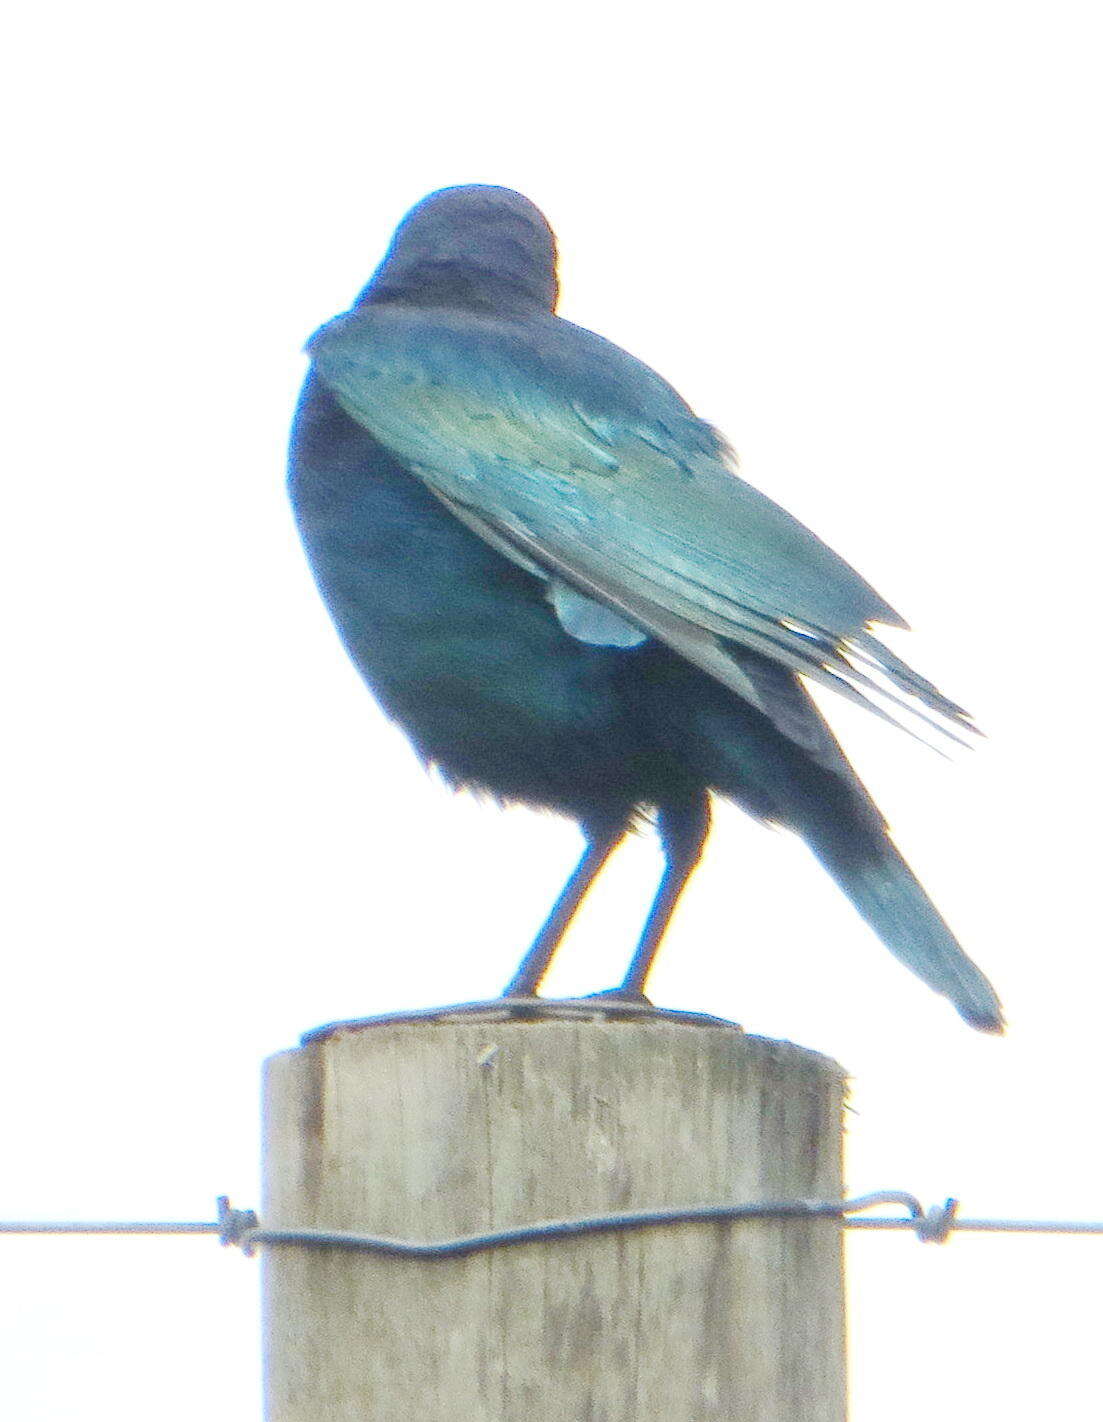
(620, 994)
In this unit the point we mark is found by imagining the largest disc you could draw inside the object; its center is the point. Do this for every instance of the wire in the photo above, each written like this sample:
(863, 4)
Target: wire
(242, 1228)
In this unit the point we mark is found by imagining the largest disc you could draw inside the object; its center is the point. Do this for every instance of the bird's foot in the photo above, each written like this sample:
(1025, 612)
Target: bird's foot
(621, 994)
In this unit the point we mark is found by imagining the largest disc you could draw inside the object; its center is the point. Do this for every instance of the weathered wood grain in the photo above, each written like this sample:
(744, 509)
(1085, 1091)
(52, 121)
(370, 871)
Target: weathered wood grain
(431, 1129)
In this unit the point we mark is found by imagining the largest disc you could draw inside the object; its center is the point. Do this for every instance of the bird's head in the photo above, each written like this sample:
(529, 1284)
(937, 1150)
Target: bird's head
(480, 248)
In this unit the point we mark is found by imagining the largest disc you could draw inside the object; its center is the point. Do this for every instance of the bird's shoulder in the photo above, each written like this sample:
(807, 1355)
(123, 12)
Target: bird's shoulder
(537, 368)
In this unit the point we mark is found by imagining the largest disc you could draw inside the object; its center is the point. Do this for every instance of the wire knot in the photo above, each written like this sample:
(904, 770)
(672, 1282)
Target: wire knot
(936, 1224)
(235, 1226)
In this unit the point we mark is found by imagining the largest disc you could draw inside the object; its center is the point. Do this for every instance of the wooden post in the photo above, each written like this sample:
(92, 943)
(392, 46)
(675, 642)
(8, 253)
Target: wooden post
(430, 1129)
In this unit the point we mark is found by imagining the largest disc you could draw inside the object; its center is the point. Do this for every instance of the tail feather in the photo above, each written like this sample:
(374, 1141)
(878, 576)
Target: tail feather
(778, 760)
(871, 872)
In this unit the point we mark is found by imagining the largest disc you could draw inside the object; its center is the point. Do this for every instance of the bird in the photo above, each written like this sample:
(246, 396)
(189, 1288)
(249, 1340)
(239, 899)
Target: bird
(553, 578)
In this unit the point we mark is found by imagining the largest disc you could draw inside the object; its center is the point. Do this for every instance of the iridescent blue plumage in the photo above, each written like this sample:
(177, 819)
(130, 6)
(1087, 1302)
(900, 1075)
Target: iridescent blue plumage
(550, 574)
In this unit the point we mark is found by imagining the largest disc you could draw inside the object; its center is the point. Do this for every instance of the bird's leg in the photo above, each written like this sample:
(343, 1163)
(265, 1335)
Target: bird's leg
(601, 840)
(683, 827)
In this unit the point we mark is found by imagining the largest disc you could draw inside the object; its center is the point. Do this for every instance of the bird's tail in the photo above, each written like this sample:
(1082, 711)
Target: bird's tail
(869, 869)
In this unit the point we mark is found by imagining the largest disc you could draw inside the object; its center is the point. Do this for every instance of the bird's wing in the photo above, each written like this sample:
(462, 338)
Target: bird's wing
(566, 452)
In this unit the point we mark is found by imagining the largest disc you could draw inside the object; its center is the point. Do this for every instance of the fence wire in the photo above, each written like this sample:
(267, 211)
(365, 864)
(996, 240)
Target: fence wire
(241, 1228)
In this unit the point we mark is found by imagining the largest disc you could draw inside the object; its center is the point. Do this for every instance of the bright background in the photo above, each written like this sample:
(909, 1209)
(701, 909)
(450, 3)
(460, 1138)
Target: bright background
(865, 240)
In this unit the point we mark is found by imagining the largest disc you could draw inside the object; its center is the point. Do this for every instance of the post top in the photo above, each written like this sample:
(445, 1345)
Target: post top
(599, 1008)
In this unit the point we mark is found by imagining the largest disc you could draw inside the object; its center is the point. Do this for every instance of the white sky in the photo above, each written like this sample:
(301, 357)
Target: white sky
(865, 240)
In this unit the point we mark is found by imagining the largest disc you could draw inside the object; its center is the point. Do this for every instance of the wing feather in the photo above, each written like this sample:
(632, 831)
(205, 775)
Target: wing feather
(573, 458)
